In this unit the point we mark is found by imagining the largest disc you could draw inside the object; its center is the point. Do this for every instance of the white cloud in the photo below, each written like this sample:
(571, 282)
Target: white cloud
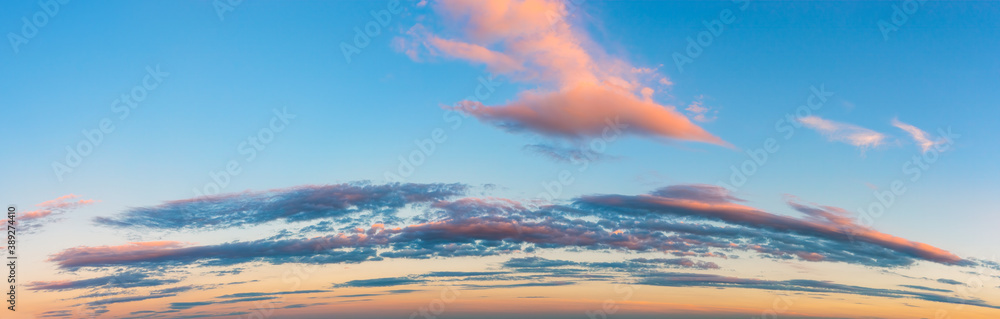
(855, 135)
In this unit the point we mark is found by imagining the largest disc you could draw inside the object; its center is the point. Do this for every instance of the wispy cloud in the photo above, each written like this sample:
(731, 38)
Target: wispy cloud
(189, 305)
(922, 139)
(699, 112)
(949, 281)
(127, 299)
(47, 211)
(381, 282)
(121, 280)
(708, 280)
(568, 154)
(860, 137)
(290, 204)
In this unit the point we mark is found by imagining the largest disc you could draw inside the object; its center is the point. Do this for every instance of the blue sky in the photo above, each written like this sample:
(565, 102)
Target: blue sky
(228, 74)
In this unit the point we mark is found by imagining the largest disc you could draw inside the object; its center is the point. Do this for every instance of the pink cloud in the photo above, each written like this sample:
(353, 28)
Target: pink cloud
(497, 62)
(855, 135)
(585, 111)
(580, 86)
(133, 251)
(825, 221)
(52, 207)
(922, 138)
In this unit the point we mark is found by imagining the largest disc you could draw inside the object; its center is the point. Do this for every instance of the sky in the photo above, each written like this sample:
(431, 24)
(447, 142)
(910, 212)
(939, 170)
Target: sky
(510, 158)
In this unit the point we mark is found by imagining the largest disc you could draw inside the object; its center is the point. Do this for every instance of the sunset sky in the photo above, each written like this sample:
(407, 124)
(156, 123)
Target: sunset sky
(510, 158)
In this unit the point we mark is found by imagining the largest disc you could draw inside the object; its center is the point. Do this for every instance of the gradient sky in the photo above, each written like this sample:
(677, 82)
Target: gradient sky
(462, 160)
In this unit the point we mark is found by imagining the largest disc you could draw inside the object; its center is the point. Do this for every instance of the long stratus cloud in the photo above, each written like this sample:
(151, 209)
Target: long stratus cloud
(582, 91)
(301, 203)
(690, 227)
(680, 220)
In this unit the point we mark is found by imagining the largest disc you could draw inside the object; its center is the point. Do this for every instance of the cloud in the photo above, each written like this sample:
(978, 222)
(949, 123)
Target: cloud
(682, 262)
(189, 305)
(315, 250)
(697, 192)
(176, 289)
(127, 299)
(536, 262)
(122, 280)
(589, 110)
(568, 154)
(402, 291)
(276, 293)
(522, 285)
(922, 138)
(674, 227)
(681, 220)
(539, 264)
(581, 89)
(822, 214)
(837, 229)
(949, 281)
(381, 282)
(290, 204)
(47, 211)
(464, 273)
(860, 137)
(56, 314)
(673, 279)
(209, 315)
(926, 288)
(358, 295)
(293, 306)
(699, 112)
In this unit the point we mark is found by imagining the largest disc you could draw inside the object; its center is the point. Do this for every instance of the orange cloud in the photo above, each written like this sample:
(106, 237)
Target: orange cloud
(581, 87)
(590, 110)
